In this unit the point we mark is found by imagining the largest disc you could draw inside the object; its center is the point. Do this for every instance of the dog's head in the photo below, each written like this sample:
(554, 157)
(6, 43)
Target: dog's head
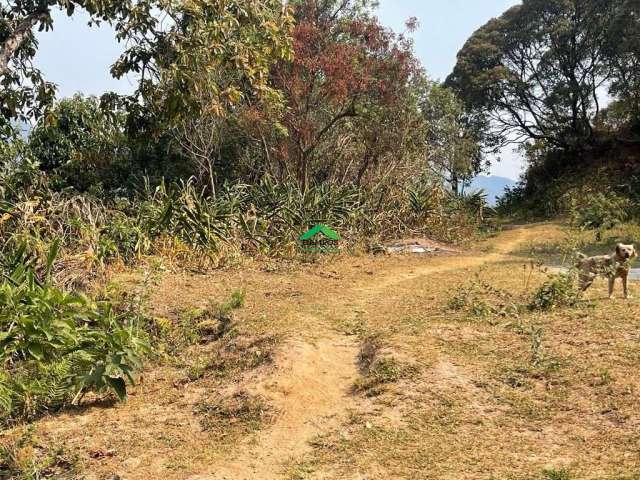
(626, 252)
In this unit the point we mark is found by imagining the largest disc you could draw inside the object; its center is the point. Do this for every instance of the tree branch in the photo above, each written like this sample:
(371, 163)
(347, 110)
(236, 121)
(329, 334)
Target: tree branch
(17, 37)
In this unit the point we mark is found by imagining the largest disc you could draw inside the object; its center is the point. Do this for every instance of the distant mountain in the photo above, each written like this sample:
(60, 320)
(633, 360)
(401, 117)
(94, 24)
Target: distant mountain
(494, 186)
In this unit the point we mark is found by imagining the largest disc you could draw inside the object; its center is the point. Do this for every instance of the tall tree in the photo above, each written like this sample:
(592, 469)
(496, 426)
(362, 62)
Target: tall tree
(453, 150)
(624, 57)
(346, 70)
(205, 56)
(177, 49)
(536, 72)
(24, 92)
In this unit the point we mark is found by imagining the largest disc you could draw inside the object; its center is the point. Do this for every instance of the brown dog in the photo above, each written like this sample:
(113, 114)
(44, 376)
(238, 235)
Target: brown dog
(612, 266)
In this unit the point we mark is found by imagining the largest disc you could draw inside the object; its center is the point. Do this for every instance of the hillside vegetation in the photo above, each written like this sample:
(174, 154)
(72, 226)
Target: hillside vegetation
(160, 316)
(536, 77)
(300, 114)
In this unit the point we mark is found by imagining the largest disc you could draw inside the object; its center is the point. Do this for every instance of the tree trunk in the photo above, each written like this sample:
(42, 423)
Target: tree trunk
(455, 183)
(15, 39)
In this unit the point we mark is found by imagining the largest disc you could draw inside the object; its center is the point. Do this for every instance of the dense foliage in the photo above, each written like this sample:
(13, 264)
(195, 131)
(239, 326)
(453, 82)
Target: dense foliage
(535, 71)
(178, 49)
(55, 346)
(539, 75)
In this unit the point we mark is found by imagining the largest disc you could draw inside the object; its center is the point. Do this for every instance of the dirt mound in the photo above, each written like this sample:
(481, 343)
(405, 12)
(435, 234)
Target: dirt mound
(311, 390)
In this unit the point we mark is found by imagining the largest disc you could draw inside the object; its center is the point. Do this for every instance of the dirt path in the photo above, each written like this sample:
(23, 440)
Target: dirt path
(312, 386)
(311, 393)
(501, 247)
(155, 433)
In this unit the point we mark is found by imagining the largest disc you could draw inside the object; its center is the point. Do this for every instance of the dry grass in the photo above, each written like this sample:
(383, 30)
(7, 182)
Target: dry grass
(500, 393)
(379, 368)
(22, 455)
(506, 394)
(236, 414)
(558, 247)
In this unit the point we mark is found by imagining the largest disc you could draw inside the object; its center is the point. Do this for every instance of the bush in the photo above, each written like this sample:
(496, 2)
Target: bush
(560, 290)
(179, 219)
(597, 210)
(56, 346)
(481, 299)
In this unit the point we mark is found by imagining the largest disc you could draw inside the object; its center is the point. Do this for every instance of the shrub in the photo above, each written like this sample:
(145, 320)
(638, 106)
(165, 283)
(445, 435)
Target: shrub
(560, 290)
(595, 210)
(56, 345)
(179, 219)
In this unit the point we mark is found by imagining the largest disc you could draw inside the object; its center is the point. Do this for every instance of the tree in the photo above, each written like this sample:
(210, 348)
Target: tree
(24, 92)
(205, 56)
(200, 138)
(535, 72)
(176, 48)
(624, 59)
(79, 143)
(388, 140)
(453, 150)
(347, 70)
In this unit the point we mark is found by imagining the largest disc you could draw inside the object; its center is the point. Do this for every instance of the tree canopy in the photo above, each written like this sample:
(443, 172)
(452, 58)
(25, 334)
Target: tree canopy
(24, 92)
(177, 49)
(304, 91)
(349, 76)
(538, 72)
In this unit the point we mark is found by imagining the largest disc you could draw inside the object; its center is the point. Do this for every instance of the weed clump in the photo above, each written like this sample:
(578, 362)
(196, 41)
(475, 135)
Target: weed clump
(553, 474)
(481, 299)
(241, 413)
(222, 349)
(22, 455)
(199, 325)
(233, 356)
(379, 370)
(559, 291)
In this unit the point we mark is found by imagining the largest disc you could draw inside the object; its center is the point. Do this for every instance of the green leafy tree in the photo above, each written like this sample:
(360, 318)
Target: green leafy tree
(453, 149)
(624, 58)
(24, 92)
(80, 142)
(535, 72)
(176, 48)
(206, 57)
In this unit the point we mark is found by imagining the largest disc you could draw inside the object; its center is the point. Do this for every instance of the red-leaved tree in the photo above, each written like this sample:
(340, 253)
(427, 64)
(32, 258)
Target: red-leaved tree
(349, 77)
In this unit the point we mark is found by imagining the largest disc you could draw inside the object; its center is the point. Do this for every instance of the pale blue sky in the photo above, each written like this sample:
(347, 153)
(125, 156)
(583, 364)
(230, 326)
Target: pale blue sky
(77, 58)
